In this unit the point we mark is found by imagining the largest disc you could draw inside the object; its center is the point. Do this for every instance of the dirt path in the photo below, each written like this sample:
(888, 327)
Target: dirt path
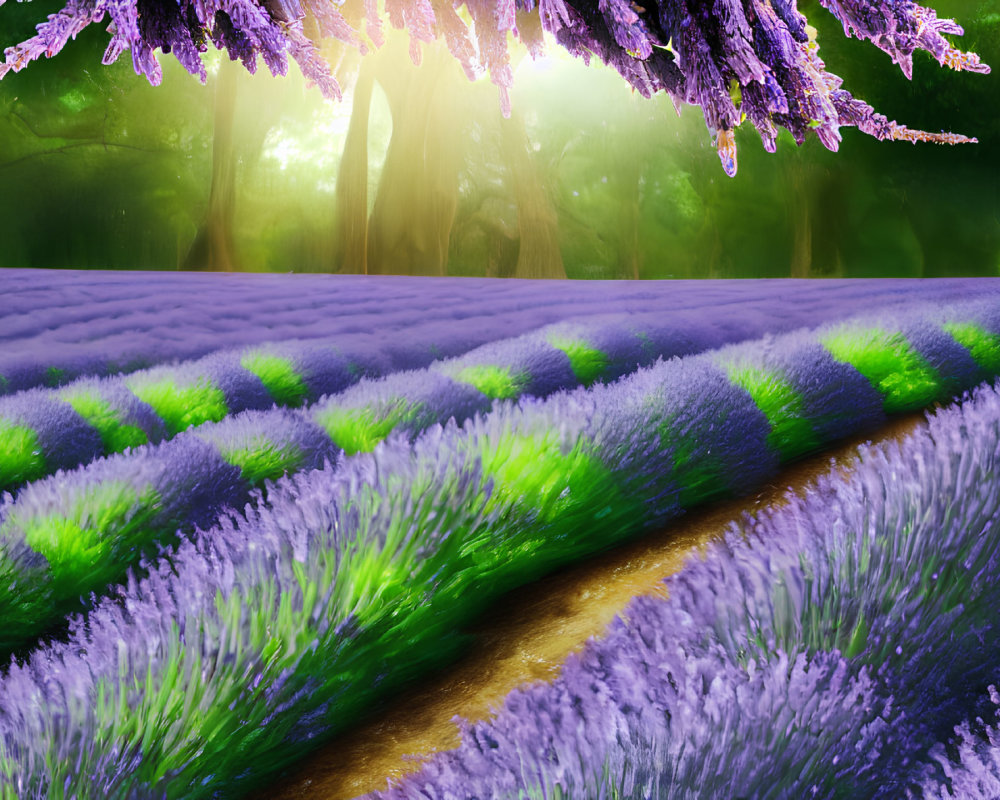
(531, 634)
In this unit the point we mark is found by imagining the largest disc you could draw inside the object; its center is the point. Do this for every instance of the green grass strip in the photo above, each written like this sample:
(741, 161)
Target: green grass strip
(21, 458)
(359, 430)
(85, 547)
(279, 377)
(115, 435)
(983, 346)
(556, 494)
(905, 380)
(180, 408)
(260, 460)
(587, 363)
(541, 499)
(495, 382)
(792, 433)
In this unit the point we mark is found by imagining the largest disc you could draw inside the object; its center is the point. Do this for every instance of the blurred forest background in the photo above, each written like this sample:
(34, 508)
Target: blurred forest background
(416, 171)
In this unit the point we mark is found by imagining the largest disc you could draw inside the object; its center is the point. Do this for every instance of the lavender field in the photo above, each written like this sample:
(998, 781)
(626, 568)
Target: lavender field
(241, 512)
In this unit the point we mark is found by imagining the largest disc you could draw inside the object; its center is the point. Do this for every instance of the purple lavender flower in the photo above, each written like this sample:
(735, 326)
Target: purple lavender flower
(736, 59)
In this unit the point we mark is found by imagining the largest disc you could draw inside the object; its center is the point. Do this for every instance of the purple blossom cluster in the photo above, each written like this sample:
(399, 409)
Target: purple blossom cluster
(969, 761)
(900, 28)
(736, 59)
(802, 656)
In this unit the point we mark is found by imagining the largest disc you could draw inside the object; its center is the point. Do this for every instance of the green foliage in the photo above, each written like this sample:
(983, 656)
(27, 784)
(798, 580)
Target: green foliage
(84, 547)
(112, 164)
(359, 430)
(22, 458)
(792, 433)
(278, 376)
(533, 473)
(983, 346)
(261, 460)
(115, 435)
(180, 407)
(495, 382)
(905, 380)
(586, 362)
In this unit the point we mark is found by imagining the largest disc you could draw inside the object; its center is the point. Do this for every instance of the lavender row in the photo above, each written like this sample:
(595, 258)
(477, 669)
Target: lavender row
(790, 395)
(270, 632)
(48, 430)
(825, 649)
(53, 337)
(73, 534)
(58, 327)
(42, 431)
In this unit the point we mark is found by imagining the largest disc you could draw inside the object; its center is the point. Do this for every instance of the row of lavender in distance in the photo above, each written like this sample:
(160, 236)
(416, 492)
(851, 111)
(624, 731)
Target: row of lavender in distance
(74, 534)
(44, 430)
(51, 336)
(47, 430)
(828, 648)
(57, 327)
(271, 631)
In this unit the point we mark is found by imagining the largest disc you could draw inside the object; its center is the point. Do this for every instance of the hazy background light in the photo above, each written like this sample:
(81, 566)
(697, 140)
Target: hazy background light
(124, 171)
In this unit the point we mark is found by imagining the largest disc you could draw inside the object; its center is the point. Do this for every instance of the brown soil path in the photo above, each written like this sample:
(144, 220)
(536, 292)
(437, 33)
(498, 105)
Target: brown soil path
(530, 636)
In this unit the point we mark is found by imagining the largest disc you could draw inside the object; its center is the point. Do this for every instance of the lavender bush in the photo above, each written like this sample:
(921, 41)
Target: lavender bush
(802, 657)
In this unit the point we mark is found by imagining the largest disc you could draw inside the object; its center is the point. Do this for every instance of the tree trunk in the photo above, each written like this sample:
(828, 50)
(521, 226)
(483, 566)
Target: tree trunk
(831, 206)
(539, 255)
(628, 172)
(352, 182)
(213, 246)
(801, 262)
(410, 226)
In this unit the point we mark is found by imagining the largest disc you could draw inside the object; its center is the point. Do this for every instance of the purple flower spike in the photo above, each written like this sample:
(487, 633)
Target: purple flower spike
(900, 27)
(736, 59)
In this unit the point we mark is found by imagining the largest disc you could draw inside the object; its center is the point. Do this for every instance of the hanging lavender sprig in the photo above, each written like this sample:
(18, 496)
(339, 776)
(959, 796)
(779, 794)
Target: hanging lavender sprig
(899, 28)
(738, 60)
